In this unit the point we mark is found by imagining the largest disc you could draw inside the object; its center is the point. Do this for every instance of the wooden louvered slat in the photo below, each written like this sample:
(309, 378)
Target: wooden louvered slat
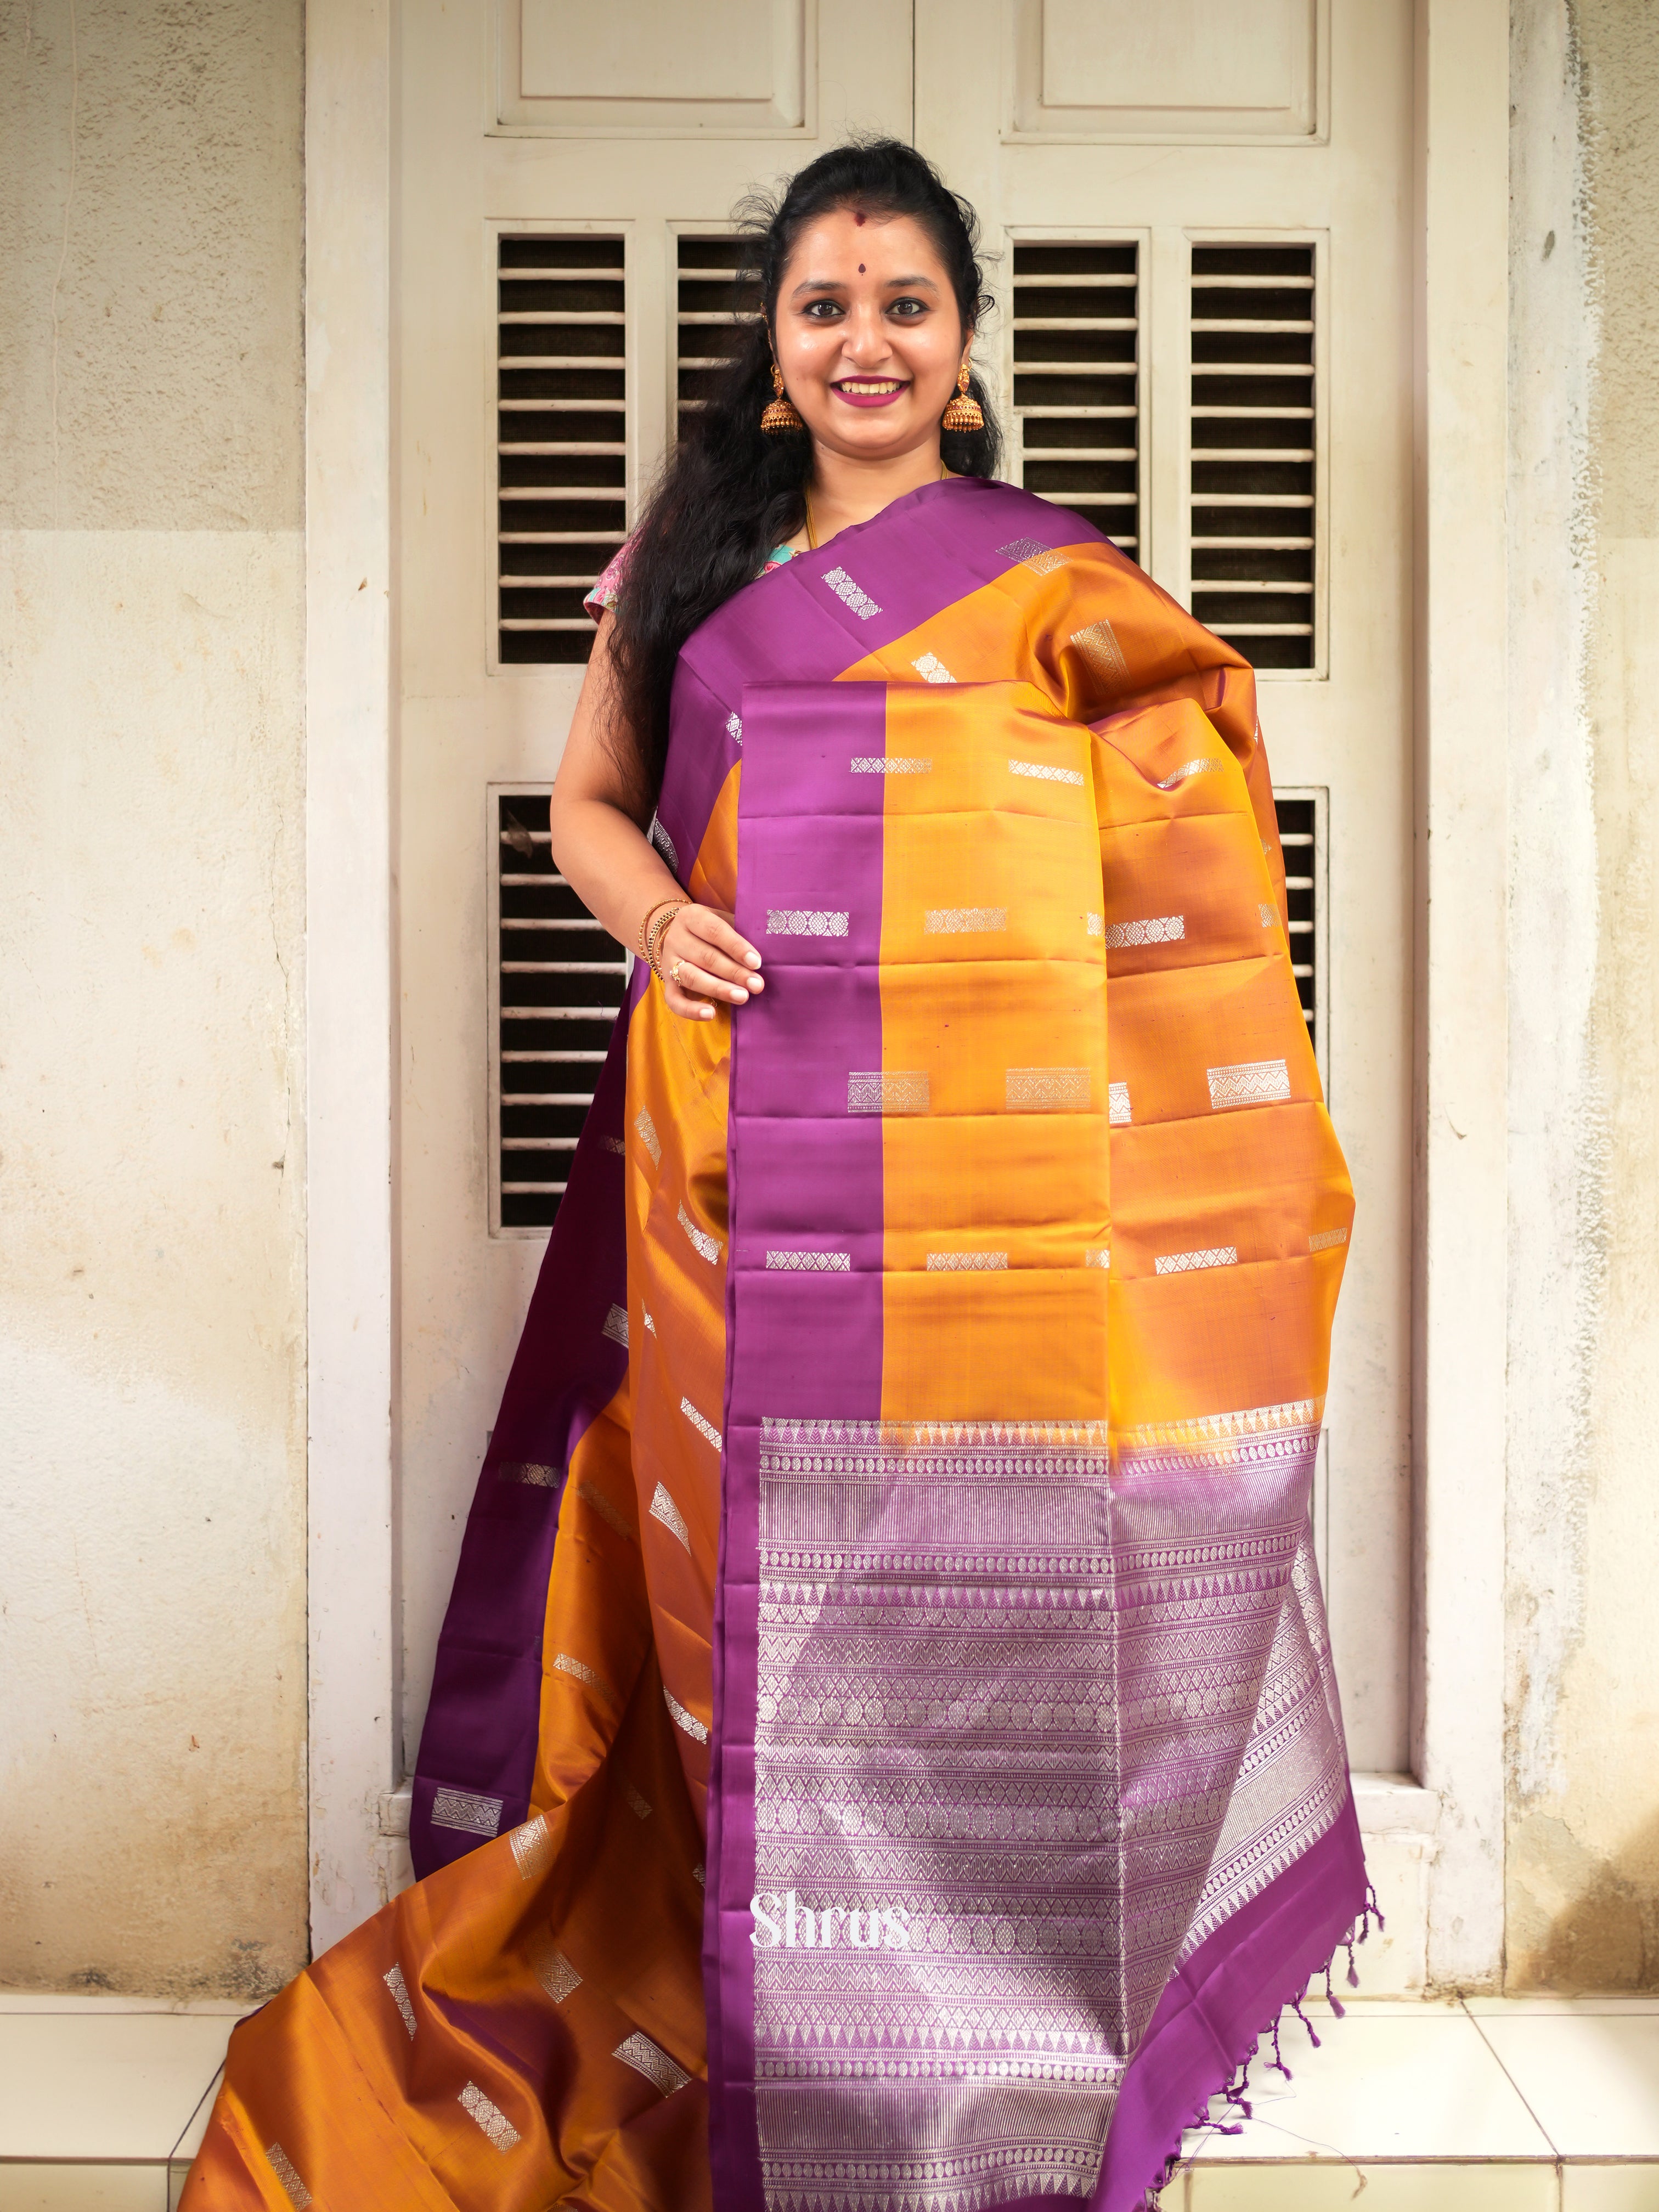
(562, 437)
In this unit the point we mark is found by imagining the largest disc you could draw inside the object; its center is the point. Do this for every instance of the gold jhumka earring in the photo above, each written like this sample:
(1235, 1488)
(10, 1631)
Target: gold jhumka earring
(965, 412)
(778, 415)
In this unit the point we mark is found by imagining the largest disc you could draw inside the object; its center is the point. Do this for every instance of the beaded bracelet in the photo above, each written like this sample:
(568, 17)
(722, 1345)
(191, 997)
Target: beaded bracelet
(662, 920)
(649, 916)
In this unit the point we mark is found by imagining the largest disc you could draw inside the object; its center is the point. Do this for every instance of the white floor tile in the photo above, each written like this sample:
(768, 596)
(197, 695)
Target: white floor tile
(1592, 2077)
(1444, 2188)
(103, 2085)
(83, 2188)
(1388, 2082)
(1610, 2188)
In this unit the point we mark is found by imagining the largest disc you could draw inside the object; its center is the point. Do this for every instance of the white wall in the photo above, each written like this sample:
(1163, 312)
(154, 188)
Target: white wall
(152, 1806)
(1583, 1534)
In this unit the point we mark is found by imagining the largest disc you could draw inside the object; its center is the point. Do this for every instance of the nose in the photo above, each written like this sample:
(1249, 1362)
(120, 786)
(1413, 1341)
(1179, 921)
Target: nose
(865, 342)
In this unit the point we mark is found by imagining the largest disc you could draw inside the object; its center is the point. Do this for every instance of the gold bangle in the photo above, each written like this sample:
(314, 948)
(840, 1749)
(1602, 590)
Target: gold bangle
(651, 913)
(662, 919)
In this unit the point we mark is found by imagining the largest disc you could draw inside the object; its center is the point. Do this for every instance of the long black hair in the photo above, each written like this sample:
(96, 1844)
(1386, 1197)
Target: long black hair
(728, 493)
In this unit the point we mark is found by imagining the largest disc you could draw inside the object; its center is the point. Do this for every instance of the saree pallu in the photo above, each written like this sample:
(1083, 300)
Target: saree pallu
(883, 1751)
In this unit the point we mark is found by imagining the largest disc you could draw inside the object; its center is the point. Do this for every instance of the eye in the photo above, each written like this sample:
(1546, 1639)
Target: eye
(821, 311)
(907, 309)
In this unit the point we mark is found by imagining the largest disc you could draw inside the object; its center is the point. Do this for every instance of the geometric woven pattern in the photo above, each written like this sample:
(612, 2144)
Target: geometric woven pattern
(282, 2166)
(978, 1841)
(1046, 1090)
(1099, 646)
(951, 920)
(931, 669)
(1250, 1083)
(1188, 768)
(702, 1241)
(466, 1809)
(1042, 772)
(648, 2058)
(1178, 1263)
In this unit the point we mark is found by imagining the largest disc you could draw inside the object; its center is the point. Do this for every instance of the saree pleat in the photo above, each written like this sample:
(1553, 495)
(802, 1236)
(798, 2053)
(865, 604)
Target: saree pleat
(883, 1749)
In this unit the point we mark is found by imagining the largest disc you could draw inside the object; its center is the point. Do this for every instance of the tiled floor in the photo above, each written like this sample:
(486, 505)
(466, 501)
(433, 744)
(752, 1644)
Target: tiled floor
(1540, 2105)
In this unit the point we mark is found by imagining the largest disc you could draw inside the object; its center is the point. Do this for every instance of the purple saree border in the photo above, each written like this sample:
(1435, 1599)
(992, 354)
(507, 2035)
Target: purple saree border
(482, 1715)
(1218, 2002)
(798, 1342)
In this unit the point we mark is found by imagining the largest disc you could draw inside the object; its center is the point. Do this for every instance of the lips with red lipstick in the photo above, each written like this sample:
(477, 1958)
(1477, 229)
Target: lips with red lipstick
(870, 390)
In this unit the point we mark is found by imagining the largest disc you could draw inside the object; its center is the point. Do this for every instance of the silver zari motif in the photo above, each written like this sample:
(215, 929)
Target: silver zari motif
(1046, 1090)
(1249, 1083)
(964, 920)
(850, 594)
(1099, 646)
(1155, 929)
(891, 1091)
(282, 2166)
(490, 2117)
(1045, 772)
(1182, 1263)
(399, 1988)
(1004, 1693)
(701, 1240)
(650, 2059)
(466, 1809)
(805, 921)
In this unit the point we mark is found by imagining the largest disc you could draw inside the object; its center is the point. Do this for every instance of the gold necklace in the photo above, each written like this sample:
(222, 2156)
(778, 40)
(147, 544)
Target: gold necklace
(812, 535)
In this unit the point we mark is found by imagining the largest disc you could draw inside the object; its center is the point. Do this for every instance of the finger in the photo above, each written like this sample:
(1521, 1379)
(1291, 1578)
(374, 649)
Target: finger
(682, 1004)
(691, 951)
(691, 977)
(714, 928)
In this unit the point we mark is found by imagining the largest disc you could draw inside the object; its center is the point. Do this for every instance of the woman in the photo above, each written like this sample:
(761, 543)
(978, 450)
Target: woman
(883, 1749)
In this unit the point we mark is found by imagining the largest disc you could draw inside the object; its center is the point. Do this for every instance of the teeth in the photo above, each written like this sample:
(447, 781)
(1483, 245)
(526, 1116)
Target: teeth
(893, 386)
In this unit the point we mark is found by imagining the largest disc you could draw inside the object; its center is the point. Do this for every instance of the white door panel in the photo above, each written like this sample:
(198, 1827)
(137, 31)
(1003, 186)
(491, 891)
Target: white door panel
(1270, 490)
(558, 167)
(608, 131)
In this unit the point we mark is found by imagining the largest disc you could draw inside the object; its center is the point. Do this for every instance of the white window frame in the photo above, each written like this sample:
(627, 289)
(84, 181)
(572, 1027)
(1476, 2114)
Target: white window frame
(1461, 186)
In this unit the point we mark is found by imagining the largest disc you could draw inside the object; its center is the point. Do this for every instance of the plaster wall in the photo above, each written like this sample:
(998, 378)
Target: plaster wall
(152, 1434)
(1583, 1534)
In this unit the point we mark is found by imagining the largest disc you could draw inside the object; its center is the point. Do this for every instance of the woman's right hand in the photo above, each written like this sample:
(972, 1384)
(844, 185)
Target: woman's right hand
(704, 962)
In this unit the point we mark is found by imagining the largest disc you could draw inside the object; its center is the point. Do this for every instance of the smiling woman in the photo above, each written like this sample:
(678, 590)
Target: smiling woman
(882, 1748)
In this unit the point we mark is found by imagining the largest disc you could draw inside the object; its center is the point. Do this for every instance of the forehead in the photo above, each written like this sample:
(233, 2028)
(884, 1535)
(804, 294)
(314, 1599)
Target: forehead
(832, 246)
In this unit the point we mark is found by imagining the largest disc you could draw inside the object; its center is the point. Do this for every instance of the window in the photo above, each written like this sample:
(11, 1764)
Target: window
(562, 437)
(557, 979)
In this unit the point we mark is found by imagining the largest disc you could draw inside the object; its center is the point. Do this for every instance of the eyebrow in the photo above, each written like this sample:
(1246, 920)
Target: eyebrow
(835, 284)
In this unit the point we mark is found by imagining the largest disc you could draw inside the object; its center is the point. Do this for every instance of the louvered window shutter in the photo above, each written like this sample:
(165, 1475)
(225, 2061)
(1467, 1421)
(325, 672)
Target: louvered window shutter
(562, 453)
(1254, 461)
(1076, 433)
(558, 978)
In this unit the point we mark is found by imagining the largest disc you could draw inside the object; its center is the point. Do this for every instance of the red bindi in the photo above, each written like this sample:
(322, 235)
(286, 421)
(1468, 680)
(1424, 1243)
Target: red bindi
(860, 269)
(858, 214)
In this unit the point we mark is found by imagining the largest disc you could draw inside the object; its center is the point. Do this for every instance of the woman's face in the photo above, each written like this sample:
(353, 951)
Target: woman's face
(867, 334)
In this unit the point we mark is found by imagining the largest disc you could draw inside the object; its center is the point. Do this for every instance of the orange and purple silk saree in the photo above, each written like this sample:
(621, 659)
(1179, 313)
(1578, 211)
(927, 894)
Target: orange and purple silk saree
(885, 1750)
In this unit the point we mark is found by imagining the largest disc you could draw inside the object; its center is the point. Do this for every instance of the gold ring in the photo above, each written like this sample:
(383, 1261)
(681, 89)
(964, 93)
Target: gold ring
(674, 974)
